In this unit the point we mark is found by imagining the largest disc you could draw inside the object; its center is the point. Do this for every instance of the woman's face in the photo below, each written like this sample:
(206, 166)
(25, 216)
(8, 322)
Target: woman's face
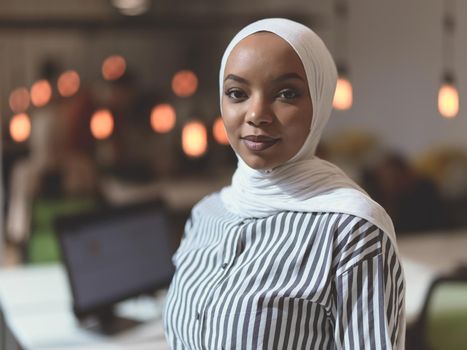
(266, 104)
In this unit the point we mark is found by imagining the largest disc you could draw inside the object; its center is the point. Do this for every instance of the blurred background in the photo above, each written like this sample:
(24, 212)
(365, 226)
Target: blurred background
(113, 102)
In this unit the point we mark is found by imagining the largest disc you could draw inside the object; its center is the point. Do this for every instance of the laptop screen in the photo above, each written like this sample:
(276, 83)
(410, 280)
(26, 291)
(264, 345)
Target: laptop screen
(116, 255)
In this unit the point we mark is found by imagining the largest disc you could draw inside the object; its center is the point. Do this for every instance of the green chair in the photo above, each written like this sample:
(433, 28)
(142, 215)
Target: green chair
(442, 324)
(43, 246)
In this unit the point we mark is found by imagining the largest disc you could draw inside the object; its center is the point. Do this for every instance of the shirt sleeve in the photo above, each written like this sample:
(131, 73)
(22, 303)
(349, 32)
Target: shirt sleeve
(369, 301)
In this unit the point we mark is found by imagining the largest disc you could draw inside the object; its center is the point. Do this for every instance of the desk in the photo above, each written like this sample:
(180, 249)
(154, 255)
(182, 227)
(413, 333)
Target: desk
(179, 194)
(36, 303)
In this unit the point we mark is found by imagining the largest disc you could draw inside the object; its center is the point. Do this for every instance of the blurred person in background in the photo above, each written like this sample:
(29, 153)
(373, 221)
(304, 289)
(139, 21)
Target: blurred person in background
(58, 163)
(293, 254)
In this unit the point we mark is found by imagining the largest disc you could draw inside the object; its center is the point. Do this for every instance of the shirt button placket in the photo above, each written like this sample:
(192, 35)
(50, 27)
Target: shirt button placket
(225, 265)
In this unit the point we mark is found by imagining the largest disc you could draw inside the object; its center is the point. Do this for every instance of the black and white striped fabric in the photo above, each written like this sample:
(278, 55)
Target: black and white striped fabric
(288, 281)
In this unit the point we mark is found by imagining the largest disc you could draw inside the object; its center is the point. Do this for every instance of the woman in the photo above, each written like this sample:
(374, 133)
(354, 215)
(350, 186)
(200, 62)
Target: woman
(292, 255)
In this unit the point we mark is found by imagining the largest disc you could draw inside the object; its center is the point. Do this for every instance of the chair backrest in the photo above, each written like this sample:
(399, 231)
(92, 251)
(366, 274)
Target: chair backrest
(432, 330)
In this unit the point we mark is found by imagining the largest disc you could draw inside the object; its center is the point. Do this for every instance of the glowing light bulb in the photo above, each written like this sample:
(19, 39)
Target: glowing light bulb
(218, 130)
(131, 7)
(102, 124)
(343, 97)
(20, 127)
(448, 100)
(113, 67)
(163, 118)
(194, 139)
(68, 83)
(41, 93)
(19, 100)
(184, 83)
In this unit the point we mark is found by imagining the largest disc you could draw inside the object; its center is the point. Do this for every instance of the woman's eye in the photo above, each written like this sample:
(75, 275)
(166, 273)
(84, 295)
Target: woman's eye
(235, 94)
(288, 94)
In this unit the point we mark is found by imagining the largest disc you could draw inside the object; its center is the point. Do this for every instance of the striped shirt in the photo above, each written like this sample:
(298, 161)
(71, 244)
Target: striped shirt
(292, 280)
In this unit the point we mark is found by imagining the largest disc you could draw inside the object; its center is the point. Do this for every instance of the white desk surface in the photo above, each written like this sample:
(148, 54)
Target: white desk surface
(178, 194)
(425, 257)
(36, 302)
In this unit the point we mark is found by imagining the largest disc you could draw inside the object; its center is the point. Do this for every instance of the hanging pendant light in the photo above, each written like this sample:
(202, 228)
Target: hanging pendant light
(163, 118)
(219, 133)
(19, 100)
(102, 124)
(448, 95)
(194, 139)
(41, 93)
(184, 83)
(343, 96)
(448, 98)
(20, 127)
(68, 83)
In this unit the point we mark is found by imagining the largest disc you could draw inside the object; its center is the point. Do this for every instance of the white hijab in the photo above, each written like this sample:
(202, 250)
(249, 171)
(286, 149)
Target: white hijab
(305, 183)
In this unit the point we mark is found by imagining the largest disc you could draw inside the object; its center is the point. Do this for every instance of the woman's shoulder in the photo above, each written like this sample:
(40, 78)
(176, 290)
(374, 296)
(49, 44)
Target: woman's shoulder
(356, 239)
(208, 201)
(211, 206)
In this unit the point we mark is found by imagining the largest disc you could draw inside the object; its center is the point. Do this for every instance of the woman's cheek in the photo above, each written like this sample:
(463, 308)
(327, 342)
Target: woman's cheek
(232, 119)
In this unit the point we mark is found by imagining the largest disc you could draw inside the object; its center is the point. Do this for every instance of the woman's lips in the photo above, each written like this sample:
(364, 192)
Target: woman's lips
(258, 142)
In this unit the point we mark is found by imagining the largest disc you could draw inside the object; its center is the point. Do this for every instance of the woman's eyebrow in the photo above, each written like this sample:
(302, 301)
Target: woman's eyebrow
(283, 77)
(236, 78)
(287, 76)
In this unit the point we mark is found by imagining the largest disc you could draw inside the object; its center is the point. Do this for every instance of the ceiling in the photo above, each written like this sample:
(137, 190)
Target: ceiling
(91, 15)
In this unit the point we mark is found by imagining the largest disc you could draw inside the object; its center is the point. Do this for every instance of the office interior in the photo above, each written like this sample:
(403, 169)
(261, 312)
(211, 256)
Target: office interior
(115, 103)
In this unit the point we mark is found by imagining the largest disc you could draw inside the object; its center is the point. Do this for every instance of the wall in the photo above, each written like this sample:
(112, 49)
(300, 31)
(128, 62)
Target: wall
(394, 59)
(396, 65)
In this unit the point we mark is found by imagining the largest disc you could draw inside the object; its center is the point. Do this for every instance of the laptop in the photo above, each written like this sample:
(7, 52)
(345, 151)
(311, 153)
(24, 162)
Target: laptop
(113, 255)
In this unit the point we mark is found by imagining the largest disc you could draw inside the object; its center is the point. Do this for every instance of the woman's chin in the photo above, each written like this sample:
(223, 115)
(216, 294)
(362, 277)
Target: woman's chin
(260, 163)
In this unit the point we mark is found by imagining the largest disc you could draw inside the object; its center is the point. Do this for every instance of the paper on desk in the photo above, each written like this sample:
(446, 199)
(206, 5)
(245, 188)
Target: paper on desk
(418, 279)
(146, 336)
(162, 345)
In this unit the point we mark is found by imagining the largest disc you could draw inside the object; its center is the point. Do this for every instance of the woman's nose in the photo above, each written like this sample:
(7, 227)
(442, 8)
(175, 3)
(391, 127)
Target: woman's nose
(260, 112)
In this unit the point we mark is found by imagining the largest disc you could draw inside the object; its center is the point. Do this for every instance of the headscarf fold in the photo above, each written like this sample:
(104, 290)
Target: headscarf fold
(304, 183)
